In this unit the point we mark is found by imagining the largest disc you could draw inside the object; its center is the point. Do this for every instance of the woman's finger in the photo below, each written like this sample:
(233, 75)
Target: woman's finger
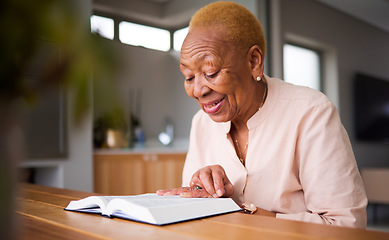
(207, 181)
(196, 192)
(188, 192)
(229, 188)
(195, 181)
(219, 177)
(174, 191)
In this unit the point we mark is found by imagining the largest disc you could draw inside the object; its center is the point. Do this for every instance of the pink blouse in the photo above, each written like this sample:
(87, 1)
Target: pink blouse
(299, 161)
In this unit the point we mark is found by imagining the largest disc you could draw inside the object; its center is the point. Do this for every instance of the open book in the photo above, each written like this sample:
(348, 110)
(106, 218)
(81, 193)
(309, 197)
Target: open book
(154, 209)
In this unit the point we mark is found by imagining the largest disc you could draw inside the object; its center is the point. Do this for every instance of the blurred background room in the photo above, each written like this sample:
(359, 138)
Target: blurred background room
(111, 114)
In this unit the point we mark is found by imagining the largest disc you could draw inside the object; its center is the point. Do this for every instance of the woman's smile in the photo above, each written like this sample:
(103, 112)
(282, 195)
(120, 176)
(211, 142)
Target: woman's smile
(213, 107)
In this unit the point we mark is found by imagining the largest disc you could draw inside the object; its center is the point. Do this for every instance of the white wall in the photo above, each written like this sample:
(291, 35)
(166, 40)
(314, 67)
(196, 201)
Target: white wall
(155, 76)
(78, 167)
(359, 47)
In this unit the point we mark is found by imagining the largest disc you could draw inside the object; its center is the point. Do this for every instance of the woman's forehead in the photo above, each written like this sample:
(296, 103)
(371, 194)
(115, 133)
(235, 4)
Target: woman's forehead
(200, 60)
(203, 45)
(206, 55)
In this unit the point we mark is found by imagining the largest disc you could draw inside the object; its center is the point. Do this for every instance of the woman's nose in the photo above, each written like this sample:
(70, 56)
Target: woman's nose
(201, 88)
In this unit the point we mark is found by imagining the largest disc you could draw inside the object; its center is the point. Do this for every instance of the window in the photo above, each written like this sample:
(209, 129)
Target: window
(302, 66)
(148, 37)
(179, 37)
(102, 26)
(137, 34)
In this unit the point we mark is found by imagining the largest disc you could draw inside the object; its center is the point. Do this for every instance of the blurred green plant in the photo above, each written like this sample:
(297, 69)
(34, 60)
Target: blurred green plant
(26, 24)
(85, 61)
(112, 120)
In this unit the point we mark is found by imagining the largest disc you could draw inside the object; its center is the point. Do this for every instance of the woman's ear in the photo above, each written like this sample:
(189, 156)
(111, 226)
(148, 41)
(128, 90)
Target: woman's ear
(256, 61)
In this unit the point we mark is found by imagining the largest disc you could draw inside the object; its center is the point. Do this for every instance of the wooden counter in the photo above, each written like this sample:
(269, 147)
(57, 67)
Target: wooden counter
(41, 216)
(136, 173)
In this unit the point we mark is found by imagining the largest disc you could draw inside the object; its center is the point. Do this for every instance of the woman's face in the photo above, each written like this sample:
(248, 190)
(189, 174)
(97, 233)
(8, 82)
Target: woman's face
(216, 75)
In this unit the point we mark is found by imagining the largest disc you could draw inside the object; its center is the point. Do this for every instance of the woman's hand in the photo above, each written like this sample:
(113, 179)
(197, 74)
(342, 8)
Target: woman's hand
(210, 181)
(214, 180)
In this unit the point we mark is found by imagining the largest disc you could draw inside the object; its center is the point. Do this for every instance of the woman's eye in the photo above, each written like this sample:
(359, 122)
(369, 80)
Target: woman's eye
(188, 79)
(212, 75)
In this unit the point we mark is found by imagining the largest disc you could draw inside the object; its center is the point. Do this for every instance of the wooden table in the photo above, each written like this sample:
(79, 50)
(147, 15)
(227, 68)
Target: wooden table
(41, 216)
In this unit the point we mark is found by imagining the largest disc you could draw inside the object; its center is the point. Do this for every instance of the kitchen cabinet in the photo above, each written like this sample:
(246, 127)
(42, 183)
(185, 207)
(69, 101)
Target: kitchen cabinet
(137, 173)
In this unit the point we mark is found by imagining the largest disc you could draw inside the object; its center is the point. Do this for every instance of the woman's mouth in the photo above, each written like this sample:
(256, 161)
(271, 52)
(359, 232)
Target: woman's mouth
(213, 107)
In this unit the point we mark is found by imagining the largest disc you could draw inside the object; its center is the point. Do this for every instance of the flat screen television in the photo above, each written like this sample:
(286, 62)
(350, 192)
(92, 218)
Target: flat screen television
(371, 108)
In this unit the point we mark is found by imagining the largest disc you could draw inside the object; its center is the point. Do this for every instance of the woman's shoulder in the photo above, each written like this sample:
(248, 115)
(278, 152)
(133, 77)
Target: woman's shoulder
(291, 93)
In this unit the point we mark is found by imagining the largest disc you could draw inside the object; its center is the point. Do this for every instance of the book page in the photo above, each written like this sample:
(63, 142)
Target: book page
(92, 204)
(161, 210)
(151, 200)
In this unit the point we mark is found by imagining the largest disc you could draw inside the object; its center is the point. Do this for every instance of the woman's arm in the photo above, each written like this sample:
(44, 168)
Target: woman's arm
(328, 173)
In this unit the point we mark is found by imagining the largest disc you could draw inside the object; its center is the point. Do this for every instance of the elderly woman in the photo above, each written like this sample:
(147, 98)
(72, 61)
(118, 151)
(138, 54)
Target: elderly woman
(258, 139)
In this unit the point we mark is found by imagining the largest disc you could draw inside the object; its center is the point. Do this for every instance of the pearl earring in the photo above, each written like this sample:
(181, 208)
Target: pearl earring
(258, 78)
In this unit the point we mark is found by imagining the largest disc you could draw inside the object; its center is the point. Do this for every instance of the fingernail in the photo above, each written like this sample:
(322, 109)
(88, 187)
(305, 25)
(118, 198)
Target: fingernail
(215, 195)
(219, 192)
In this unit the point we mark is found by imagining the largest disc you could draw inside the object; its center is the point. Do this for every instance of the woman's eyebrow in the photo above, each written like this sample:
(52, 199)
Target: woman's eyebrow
(212, 61)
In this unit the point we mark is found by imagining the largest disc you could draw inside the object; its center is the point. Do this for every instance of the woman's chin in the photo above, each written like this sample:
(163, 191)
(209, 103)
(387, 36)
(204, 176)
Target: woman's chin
(218, 117)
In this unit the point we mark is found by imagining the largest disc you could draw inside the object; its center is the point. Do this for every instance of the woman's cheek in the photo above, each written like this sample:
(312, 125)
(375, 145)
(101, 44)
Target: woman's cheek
(189, 89)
